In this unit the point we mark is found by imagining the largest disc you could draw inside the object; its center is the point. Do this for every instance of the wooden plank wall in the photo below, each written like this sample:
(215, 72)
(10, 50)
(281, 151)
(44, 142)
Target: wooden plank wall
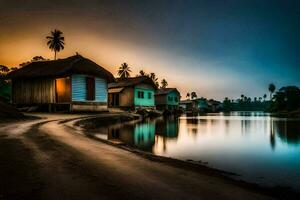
(35, 91)
(126, 97)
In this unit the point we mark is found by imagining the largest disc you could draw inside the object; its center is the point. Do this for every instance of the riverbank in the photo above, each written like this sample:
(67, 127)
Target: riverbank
(48, 159)
(295, 113)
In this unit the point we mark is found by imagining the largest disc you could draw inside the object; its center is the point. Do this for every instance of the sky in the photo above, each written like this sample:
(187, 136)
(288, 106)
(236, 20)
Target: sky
(217, 48)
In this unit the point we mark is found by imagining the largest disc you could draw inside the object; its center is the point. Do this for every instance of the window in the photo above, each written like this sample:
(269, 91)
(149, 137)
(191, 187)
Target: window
(90, 88)
(140, 94)
(170, 98)
(176, 99)
(149, 95)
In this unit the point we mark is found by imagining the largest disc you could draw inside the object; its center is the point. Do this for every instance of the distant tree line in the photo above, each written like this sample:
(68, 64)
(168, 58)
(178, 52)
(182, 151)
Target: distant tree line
(245, 104)
(285, 99)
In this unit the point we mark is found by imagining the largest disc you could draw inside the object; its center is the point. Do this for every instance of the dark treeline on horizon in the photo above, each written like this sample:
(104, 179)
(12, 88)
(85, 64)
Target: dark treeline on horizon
(285, 99)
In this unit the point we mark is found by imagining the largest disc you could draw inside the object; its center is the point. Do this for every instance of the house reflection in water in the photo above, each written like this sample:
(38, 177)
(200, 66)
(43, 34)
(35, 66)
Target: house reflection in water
(166, 130)
(139, 134)
(145, 134)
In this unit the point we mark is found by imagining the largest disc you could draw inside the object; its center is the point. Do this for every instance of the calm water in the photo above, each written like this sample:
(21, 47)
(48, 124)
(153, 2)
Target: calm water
(260, 148)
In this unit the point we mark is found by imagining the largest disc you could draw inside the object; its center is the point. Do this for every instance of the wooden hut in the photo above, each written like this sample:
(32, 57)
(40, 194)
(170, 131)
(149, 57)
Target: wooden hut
(167, 99)
(75, 83)
(188, 105)
(133, 93)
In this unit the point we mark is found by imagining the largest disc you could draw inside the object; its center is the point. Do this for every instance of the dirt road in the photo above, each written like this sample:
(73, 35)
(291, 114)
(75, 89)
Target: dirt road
(45, 159)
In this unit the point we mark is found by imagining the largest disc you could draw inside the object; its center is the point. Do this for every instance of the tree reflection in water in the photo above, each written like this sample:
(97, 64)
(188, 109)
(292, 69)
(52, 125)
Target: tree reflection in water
(288, 131)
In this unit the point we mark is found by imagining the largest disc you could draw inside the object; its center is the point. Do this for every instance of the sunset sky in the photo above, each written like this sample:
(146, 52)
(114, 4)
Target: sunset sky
(217, 48)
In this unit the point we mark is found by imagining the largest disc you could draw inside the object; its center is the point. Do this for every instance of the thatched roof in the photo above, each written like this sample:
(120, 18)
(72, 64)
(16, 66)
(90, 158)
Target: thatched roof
(60, 68)
(164, 91)
(131, 82)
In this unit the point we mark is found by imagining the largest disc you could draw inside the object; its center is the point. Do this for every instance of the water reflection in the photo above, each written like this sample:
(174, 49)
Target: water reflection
(287, 131)
(142, 134)
(231, 142)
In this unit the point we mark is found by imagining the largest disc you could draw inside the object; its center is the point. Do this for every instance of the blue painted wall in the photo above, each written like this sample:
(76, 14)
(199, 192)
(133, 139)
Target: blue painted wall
(79, 89)
(101, 90)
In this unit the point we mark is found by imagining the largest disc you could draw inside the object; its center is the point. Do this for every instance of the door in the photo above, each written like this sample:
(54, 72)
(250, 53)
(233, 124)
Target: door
(116, 99)
(90, 88)
(63, 90)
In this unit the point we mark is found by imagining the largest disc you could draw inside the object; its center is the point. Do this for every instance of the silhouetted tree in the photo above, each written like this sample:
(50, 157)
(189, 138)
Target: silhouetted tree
(227, 104)
(188, 95)
(3, 70)
(56, 41)
(287, 98)
(124, 71)
(37, 58)
(193, 95)
(164, 83)
(24, 63)
(271, 89)
(242, 97)
(13, 68)
(154, 79)
(4, 84)
(142, 73)
(265, 96)
(34, 59)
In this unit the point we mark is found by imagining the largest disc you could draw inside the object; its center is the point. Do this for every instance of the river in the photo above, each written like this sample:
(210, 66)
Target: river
(257, 147)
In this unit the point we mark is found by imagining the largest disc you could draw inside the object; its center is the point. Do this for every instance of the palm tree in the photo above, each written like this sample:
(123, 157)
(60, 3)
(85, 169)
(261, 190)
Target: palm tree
(153, 77)
(188, 95)
(265, 96)
(271, 88)
(124, 71)
(193, 95)
(56, 41)
(142, 73)
(242, 97)
(164, 83)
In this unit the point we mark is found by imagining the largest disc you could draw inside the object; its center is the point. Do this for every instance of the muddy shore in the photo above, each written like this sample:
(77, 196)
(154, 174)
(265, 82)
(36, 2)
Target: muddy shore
(48, 158)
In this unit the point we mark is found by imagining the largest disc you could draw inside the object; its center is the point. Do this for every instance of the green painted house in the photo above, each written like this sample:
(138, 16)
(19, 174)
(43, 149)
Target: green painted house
(133, 93)
(167, 98)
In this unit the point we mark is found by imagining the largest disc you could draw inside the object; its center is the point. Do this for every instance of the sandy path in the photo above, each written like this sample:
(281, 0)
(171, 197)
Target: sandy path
(72, 166)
